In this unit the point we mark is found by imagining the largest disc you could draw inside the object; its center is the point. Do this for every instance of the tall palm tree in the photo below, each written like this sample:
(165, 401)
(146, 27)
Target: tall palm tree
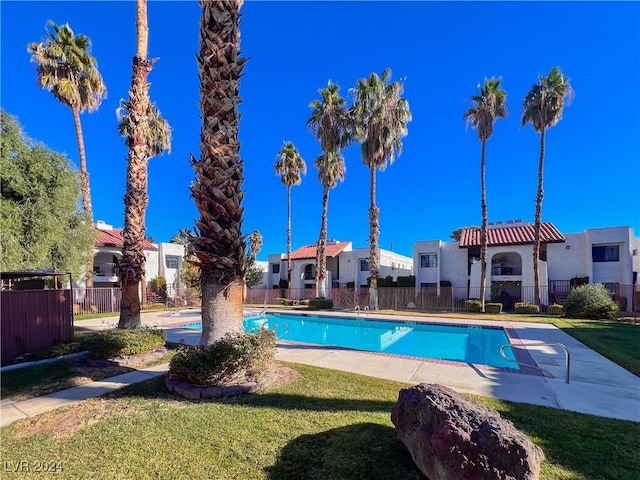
(328, 124)
(147, 135)
(217, 189)
(182, 236)
(488, 106)
(542, 107)
(255, 242)
(379, 117)
(291, 167)
(331, 168)
(66, 68)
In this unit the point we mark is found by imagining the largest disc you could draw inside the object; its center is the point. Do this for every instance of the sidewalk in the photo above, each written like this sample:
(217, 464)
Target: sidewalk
(12, 411)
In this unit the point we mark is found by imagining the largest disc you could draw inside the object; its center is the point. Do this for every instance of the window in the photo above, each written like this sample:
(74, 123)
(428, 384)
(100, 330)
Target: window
(275, 268)
(429, 260)
(364, 265)
(605, 253)
(171, 261)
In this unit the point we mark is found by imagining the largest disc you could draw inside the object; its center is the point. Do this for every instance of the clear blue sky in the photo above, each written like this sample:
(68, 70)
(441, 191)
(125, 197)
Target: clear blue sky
(441, 49)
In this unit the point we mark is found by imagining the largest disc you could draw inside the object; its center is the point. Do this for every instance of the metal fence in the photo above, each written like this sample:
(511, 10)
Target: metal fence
(434, 299)
(427, 299)
(34, 320)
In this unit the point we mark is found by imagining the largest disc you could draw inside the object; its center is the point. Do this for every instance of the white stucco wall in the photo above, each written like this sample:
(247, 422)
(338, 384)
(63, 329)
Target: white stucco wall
(151, 265)
(273, 279)
(172, 275)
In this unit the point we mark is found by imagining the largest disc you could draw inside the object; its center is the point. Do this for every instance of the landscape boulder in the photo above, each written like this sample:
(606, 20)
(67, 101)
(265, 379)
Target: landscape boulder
(451, 437)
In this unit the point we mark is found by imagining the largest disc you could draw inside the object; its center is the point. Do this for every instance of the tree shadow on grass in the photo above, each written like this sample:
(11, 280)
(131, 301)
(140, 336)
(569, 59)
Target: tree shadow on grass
(366, 451)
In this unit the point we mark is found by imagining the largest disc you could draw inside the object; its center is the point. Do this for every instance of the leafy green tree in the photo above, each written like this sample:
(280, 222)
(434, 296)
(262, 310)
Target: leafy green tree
(542, 107)
(66, 68)
(290, 166)
(328, 122)
(379, 117)
(488, 106)
(219, 246)
(147, 135)
(41, 226)
(457, 233)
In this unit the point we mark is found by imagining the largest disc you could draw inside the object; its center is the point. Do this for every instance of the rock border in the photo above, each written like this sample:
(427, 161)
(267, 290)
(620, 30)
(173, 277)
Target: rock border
(192, 392)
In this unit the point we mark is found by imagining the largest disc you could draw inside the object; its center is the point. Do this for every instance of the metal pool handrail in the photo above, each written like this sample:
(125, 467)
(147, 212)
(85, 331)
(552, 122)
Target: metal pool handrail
(567, 357)
(275, 329)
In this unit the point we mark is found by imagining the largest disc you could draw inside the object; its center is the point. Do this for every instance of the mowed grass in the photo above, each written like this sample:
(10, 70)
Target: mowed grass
(619, 342)
(37, 380)
(322, 425)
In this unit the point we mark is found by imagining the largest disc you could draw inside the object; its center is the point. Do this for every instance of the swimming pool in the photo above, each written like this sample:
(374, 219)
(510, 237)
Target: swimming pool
(469, 344)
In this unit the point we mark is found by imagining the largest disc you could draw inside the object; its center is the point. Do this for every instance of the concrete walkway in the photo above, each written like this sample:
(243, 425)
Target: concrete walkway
(597, 385)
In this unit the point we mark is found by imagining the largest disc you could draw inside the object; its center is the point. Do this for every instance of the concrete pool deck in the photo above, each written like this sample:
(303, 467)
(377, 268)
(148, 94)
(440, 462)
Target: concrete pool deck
(597, 385)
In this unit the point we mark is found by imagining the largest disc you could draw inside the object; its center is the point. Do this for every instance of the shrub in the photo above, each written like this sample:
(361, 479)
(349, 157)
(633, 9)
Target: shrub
(235, 358)
(555, 309)
(526, 308)
(158, 284)
(591, 301)
(386, 281)
(493, 308)
(622, 304)
(408, 281)
(320, 303)
(474, 306)
(122, 343)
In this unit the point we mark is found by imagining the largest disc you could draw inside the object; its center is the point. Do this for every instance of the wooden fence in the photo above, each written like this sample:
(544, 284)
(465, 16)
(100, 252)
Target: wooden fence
(34, 320)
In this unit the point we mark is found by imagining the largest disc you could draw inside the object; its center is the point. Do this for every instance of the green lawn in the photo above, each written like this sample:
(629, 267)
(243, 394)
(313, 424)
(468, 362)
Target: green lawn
(324, 425)
(619, 342)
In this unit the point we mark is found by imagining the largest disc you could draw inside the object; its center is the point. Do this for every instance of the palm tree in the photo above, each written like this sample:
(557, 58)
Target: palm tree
(488, 106)
(379, 117)
(147, 135)
(331, 168)
(255, 242)
(182, 236)
(253, 273)
(217, 189)
(328, 124)
(290, 166)
(542, 107)
(66, 68)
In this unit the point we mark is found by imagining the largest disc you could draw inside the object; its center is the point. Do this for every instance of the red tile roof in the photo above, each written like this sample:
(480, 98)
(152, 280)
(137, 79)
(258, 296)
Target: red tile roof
(113, 238)
(517, 234)
(310, 251)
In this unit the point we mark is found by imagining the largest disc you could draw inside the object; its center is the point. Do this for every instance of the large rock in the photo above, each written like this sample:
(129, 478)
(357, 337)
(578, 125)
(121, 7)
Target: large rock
(453, 438)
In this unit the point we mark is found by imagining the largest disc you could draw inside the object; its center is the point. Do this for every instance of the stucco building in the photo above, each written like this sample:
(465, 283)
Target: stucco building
(597, 255)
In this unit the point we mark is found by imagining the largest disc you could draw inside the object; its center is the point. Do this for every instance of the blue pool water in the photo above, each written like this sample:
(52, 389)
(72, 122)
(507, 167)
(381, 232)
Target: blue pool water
(469, 344)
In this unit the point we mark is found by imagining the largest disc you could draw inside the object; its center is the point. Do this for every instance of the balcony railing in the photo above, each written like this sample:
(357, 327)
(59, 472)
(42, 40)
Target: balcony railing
(506, 270)
(105, 270)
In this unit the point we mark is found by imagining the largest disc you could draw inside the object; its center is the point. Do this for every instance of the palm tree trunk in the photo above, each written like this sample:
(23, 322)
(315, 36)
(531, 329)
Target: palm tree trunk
(483, 231)
(217, 191)
(374, 228)
(221, 306)
(142, 29)
(321, 258)
(538, 220)
(86, 192)
(136, 199)
(289, 243)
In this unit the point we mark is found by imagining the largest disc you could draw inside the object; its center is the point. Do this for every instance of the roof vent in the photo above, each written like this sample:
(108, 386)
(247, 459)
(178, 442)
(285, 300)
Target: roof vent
(509, 221)
(518, 221)
(498, 223)
(492, 223)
